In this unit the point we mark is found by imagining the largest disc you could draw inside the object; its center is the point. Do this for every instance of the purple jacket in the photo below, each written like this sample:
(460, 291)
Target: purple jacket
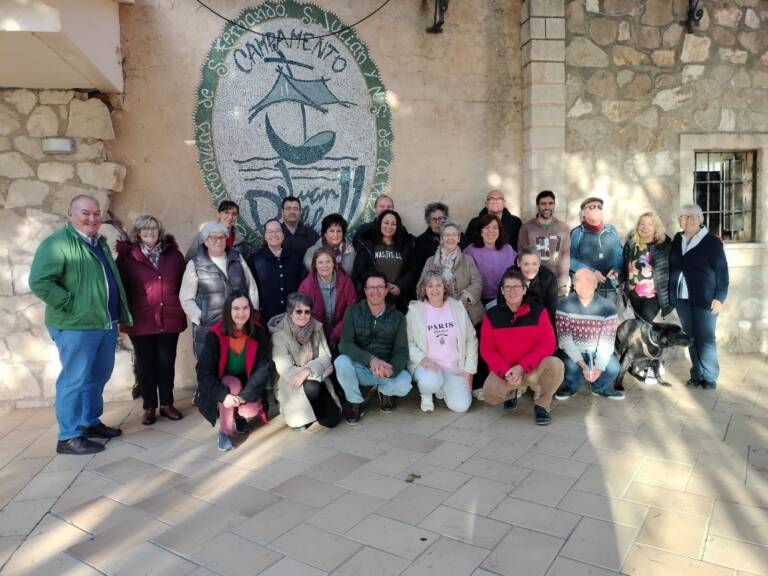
(153, 293)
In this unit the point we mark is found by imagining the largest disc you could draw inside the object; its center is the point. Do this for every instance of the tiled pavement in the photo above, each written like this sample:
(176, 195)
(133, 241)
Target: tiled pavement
(672, 481)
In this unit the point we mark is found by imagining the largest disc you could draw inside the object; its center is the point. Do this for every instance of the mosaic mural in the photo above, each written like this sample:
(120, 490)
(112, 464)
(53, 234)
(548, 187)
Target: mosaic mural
(285, 109)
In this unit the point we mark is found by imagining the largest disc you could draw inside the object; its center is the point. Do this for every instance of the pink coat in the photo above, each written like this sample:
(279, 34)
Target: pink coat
(345, 297)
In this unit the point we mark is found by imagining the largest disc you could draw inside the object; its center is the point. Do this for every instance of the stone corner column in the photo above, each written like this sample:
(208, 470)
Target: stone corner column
(542, 39)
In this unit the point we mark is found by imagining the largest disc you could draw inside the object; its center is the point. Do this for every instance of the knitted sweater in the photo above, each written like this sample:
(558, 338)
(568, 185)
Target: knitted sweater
(589, 329)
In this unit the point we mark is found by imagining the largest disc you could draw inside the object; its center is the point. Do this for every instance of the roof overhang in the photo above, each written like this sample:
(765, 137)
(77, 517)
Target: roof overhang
(65, 44)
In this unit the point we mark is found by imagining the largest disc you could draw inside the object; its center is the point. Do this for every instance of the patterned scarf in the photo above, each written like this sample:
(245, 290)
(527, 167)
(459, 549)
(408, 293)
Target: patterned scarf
(152, 254)
(303, 335)
(448, 264)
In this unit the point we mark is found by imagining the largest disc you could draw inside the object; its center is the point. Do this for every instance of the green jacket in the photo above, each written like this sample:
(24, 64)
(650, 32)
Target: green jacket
(70, 279)
(384, 337)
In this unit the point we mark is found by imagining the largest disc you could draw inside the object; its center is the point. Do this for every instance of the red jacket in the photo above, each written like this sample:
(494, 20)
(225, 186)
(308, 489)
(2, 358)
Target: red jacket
(153, 293)
(345, 296)
(508, 338)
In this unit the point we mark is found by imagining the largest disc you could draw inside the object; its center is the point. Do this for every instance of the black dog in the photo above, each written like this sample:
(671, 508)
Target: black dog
(637, 340)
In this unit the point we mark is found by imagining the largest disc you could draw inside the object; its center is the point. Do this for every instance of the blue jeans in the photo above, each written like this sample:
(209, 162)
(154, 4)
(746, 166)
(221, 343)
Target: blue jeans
(700, 324)
(574, 376)
(87, 358)
(352, 375)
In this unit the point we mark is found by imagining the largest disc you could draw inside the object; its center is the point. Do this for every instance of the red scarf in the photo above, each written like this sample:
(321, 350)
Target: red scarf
(591, 228)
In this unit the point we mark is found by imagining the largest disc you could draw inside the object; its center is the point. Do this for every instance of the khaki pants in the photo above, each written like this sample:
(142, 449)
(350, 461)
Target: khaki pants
(544, 381)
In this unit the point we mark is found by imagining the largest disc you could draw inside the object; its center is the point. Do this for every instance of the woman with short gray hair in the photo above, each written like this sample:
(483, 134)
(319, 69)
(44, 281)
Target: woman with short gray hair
(211, 274)
(303, 363)
(461, 275)
(698, 272)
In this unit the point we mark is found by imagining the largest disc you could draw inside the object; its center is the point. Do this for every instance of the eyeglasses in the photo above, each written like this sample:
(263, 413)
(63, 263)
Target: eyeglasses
(450, 234)
(377, 288)
(685, 217)
(594, 207)
(150, 229)
(217, 238)
(515, 288)
(274, 232)
(302, 312)
(437, 219)
(494, 199)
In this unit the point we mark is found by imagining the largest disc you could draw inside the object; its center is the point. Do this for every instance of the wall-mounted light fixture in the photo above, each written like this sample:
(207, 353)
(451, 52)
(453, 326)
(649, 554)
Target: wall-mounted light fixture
(441, 7)
(58, 146)
(695, 14)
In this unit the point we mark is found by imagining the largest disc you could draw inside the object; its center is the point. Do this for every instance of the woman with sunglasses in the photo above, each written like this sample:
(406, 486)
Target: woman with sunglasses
(303, 363)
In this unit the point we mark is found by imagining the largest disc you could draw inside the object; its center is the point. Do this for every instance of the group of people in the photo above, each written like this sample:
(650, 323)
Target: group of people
(322, 319)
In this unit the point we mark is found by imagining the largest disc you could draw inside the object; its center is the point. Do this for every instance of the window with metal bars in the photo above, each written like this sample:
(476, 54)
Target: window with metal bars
(724, 187)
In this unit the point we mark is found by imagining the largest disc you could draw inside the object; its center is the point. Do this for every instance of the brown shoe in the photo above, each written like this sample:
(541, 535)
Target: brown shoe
(170, 412)
(149, 417)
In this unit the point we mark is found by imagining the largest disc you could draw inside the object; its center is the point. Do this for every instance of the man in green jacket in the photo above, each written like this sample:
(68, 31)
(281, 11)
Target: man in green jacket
(74, 274)
(374, 350)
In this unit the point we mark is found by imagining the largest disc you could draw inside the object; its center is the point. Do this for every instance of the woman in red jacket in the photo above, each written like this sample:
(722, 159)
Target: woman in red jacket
(151, 268)
(332, 291)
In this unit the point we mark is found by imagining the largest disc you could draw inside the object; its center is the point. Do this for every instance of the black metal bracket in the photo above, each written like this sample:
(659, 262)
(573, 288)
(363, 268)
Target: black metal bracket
(695, 14)
(441, 7)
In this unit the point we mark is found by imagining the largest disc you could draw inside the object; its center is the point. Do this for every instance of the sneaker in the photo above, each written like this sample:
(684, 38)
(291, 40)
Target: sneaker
(78, 446)
(541, 415)
(100, 431)
(355, 414)
(241, 425)
(427, 405)
(693, 382)
(608, 393)
(563, 393)
(225, 443)
(650, 377)
(708, 384)
(479, 394)
(662, 369)
(386, 403)
(511, 404)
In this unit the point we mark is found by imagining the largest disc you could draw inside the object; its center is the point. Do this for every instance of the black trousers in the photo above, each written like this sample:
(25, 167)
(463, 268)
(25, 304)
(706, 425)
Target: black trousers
(155, 361)
(645, 308)
(326, 410)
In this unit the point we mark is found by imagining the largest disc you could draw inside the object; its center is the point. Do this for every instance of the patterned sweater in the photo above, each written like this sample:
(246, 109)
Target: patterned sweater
(590, 329)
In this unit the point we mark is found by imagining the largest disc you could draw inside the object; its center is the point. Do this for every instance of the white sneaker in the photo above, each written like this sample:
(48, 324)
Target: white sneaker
(662, 369)
(478, 394)
(427, 405)
(650, 377)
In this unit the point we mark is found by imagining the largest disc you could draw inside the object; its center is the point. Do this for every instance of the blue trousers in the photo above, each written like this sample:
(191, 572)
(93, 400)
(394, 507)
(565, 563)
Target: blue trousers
(87, 359)
(700, 323)
(352, 375)
(574, 376)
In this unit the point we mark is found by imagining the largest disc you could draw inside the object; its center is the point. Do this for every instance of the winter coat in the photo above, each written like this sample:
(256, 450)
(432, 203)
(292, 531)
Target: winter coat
(294, 405)
(153, 293)
(704, 268)
(212, 362)
(596, 250)
(70, 279)
(660, 260)
(468, 281)
(345, 297)
(276, 278)
(417, 335)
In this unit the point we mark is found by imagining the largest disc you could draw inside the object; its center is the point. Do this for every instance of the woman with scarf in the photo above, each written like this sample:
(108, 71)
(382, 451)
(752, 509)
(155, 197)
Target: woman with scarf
(303, 363)
(233, 370)
(333, 230)
(151, 267)
(462, 278)
(331, 291)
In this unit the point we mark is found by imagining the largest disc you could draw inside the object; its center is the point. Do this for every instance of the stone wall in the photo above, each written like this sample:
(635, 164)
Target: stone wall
(35, 191)
(635, 83)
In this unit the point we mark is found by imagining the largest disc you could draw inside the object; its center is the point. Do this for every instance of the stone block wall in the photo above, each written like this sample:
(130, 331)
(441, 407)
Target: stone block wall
(35, 191)
(636, 83)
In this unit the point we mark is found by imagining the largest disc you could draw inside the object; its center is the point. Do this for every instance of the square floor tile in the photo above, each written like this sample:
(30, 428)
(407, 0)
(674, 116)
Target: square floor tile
(601, 543)
(343, 513)
(265, 526)
(523, 552)
(335, 467)
(460, 525)
(309, 491)
(372, 562)
(392, 536)
(674, 532)
(543, 488)
(479, 496)
(536, 517)
(235, 556)
(447, 558)
(315, 547)
(414, 503)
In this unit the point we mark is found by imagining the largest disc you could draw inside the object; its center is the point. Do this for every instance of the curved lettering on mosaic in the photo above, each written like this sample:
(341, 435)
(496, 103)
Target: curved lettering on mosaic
(288, 113)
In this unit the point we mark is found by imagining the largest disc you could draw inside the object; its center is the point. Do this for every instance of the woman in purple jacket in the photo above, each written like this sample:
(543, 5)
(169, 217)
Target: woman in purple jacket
(151, 267)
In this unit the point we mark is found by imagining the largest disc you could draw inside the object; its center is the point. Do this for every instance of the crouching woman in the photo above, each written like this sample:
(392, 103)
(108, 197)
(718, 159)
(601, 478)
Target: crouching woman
(233, 370)
(303, 363)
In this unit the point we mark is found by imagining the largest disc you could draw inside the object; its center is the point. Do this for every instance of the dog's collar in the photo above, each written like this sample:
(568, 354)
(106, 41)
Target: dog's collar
(650, 336)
